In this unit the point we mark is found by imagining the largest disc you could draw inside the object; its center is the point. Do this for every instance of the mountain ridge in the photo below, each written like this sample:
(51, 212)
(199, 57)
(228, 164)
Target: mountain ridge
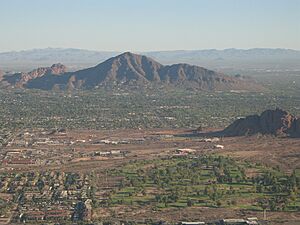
(129, 69)
(20, 79)
(213, 58)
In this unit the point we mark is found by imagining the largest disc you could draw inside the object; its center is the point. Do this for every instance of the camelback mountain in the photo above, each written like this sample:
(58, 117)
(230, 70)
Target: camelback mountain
(130, 69)
(274, 122)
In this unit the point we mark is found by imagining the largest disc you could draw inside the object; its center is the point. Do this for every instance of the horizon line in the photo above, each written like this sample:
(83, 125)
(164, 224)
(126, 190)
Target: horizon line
(145, 51)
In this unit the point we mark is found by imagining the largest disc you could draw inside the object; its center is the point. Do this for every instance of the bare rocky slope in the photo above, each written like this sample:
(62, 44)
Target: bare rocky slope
(21, 79)
(129, 69)
(274, 122)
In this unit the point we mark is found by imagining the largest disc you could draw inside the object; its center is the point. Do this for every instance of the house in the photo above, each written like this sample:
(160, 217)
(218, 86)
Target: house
(104, 153)
(58, 214)
(115, 152)
(215, 139)
(192, 223)
(33, 216)
(219, 146)
(108, 142)
(12, 153)
(252, 221)
(185, 150)
(233, 222)
(21, 161)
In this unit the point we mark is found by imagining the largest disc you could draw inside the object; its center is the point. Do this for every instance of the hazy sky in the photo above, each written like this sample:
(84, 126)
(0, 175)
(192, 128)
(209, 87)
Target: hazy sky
(142, 25)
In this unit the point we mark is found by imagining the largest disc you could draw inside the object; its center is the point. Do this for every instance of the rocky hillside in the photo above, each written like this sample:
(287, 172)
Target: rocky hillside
(275, 122)
(21, 79)
(130, 69)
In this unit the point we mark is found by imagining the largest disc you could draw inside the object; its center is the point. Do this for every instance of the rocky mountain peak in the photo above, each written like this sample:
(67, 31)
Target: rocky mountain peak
(274, 122)
(58, 69)
(133, 70)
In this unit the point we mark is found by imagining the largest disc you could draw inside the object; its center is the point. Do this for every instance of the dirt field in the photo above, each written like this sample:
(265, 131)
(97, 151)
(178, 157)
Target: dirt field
(272, 151)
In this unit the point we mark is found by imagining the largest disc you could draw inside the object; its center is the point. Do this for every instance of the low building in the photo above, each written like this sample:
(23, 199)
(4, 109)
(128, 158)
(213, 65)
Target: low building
(219, 146)
(185, 150)
(192, 223)
(233, 222)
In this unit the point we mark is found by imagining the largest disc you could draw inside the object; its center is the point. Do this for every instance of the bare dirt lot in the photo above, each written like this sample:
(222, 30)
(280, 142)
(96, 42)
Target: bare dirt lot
(269, 150)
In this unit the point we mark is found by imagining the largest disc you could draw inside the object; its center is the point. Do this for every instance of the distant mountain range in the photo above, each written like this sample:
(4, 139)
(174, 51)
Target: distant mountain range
(128, 69)
(212, 58)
